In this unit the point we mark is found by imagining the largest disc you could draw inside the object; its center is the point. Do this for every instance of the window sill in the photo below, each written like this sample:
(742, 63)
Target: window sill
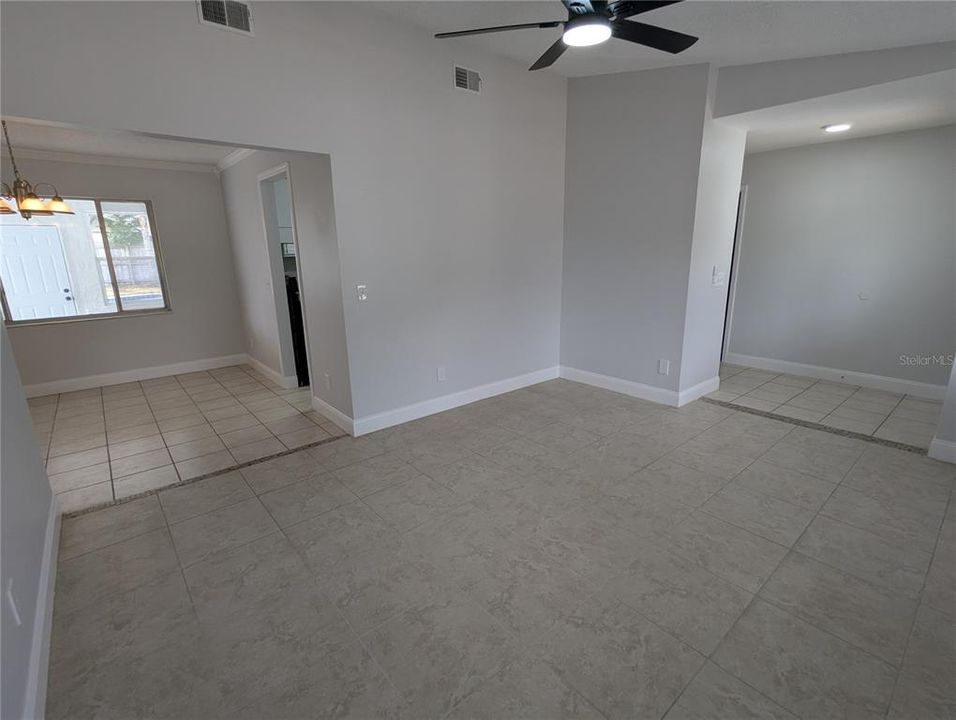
(10, 324)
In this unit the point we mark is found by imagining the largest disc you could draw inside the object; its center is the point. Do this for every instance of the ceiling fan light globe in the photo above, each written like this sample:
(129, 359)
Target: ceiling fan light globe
(587, 30)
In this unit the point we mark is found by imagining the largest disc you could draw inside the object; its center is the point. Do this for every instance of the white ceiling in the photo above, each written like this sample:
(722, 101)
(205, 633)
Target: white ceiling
(918, 102)
(731, 33)
(103, 143)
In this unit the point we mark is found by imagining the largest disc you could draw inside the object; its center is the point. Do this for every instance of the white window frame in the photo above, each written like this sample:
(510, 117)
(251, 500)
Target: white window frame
(119, 312)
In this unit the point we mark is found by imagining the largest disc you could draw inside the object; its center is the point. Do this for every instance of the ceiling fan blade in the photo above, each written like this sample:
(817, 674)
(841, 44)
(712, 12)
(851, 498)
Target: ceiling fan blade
(550, 55)
(652, 36)
(499, 28)
(630, 8)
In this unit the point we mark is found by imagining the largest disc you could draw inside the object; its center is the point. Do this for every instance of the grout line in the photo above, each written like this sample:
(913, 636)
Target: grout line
(817, 426)
(214, 473)
(920, 600)
(179, 561)
(883, 421)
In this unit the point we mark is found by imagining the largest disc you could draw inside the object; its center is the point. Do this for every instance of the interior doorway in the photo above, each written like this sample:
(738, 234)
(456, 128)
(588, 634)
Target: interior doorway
(279, 219)
(732, 279)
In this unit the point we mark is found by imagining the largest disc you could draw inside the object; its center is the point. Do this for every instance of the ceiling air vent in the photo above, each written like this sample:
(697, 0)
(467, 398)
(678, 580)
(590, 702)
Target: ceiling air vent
(227, 14)
(466, 79)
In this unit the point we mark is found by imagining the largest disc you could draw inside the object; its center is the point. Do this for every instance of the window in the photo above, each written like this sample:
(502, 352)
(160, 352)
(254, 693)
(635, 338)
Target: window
(102, 261)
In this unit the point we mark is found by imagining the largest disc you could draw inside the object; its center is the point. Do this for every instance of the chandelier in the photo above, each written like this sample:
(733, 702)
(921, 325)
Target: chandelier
(23, 194)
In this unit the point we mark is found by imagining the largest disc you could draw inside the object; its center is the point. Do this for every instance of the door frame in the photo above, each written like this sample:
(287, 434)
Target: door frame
(734, 271)
(276, 265)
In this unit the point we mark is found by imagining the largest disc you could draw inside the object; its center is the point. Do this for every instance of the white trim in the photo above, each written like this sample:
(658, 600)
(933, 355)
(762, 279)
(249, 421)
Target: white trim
(92, 381)
(697, 391)
(113, 160)
(879, 382)
(286, 381)
(625, 387)
(35, 703)
(371, 423)
(277, 270)
(233, 157)
(336, 416)
(944, 450)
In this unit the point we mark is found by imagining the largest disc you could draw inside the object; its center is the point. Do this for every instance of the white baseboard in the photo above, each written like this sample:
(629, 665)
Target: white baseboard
(625, 387)
(697, 391)
(148, 373)
(336, 416)
(35, 704)
(944, 450)
(878, 382)
(286, 381)
(371, 423)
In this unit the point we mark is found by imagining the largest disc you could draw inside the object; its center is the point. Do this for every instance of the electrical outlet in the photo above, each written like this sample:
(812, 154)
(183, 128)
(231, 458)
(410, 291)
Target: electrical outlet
(440, 372)
(328, 381)
(663, 367)
(362, 292)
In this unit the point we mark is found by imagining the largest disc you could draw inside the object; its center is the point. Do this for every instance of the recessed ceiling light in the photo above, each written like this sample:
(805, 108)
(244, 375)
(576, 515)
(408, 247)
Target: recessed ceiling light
(839, 127)
(584, 30)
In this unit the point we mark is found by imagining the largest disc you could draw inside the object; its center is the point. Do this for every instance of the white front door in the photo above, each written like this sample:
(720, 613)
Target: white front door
(36, 281)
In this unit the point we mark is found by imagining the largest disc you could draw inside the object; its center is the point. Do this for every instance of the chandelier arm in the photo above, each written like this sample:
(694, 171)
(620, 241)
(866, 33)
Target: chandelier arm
(55, 191)
(13, 160)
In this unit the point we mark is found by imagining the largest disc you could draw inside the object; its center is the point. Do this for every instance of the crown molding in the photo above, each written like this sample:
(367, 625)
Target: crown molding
(114, 160)
(233, 157)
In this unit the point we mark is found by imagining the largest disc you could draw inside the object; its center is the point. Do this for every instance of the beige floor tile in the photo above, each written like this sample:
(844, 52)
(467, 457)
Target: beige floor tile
(198, 498)
(246, 435)
(238, 422)
(195, 448)
(74, 461)
(257, 449)
(80, 477)
(133, 464)
(911, 432)
(298, 438)
(183, 421)
(86, 497)
(196, 432)
(205, 464)
(140, 482)
(134, 447)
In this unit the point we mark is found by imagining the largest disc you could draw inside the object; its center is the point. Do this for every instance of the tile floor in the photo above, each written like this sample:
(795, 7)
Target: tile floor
(889, 416)
(120, 440)
(560, 551)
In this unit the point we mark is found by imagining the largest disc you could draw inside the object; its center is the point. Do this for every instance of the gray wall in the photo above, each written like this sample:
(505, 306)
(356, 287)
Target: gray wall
(633, 154)
(25, 499)
(265, 309)
(825, 223)
(449, 205)
(205, 319)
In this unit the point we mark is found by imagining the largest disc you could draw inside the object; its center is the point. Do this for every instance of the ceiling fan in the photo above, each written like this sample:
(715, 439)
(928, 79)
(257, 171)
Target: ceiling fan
(591, 22)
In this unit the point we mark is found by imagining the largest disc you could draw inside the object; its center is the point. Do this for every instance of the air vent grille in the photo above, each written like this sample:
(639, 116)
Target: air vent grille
(227, 14)
(466, 79)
